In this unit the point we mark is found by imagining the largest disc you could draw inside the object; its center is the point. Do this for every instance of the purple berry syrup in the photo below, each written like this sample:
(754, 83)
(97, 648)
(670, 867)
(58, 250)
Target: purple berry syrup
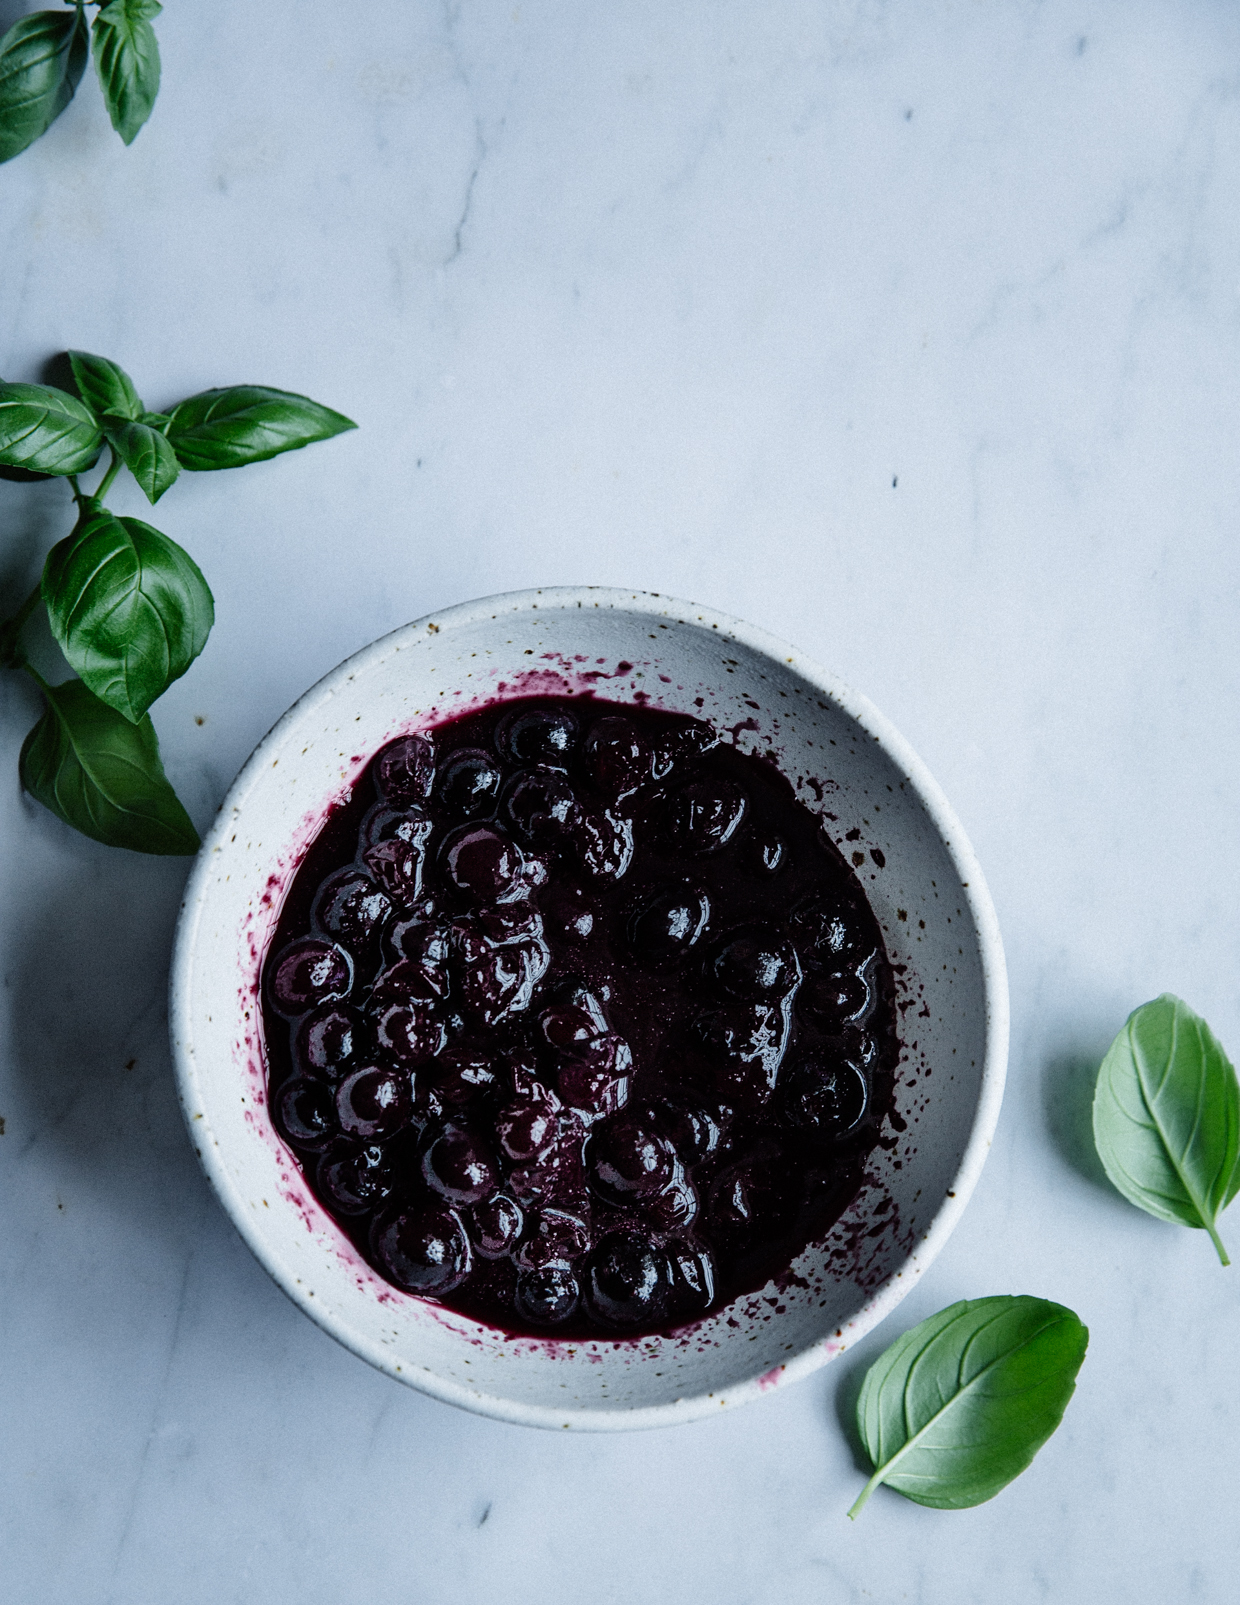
(576, 1020)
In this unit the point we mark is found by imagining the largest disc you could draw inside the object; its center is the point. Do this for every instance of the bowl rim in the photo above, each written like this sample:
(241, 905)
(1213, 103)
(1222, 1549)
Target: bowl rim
(941, 814)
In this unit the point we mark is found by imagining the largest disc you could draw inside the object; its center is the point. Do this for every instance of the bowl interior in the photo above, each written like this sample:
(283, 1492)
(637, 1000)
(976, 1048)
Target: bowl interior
(878, 804)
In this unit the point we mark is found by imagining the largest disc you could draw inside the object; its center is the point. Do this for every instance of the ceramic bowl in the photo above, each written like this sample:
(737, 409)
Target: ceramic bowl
(878, 802)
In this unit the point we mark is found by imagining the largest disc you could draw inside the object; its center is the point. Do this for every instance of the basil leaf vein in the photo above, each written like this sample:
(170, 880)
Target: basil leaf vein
(959, 1406)
(146, 454)
(104, 386)
(103, 775)
(247, 424)
(127, 61)
(1167, 1117)
(47, 430)
(42, 59)
(128, 607)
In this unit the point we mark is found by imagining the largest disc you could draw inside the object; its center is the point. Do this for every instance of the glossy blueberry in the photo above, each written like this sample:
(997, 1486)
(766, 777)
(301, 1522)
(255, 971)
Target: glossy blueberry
(547, 1297)
(463, 1074)
(528, 1129)
(827, 931)
(307, 973)
(355, 1180)
(410, 1032)
(766, 852)
(422, 944)
(423, 1248)
(405, 769)
(603, 842)
(704, 815)
(327, 1040)
(457, 1166)
(744, 1037)
(483, 862)
(468, 783)
(570, 914)
(665, 928)
(305, 1114)
(757, 965)
(835, 998)
(594, 1077)
(386, 823)
(495, 1225)
(693, 1276)
(694, 1130)
(353, 910)
(628, 1162)
(501, 983)
(538, 735)
(824, 1094)
(616, 757)
(552, 1237)
(373, 1103)
(541, 807)
(752, 1199)
(628, 1281)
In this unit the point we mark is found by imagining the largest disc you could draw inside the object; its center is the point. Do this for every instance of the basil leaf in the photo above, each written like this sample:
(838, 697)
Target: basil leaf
(104, 386)
(146, 454)
(1167, 1117)
(103, 775)
(247, 424)
(127, 61)
(129, 609)
(42, 59)
(961, 1404)
(47, 430)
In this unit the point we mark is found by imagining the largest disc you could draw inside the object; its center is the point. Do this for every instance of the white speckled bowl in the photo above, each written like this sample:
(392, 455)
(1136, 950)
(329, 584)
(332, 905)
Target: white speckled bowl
(918, 870)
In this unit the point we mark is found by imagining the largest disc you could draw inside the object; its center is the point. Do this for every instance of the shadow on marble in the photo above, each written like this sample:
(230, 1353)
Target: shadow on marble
(849, 1375)
(91, 1085)
(1067, 1107)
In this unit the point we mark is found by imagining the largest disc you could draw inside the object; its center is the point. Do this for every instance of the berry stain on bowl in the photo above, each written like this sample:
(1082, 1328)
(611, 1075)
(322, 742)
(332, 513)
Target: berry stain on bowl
(588, 1010)
(577, 1021)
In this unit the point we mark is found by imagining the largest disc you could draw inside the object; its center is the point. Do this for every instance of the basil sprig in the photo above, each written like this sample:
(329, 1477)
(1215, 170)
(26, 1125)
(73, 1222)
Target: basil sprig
(959, 1406)
(1167, 1117)
(128, 607)
(43, 57)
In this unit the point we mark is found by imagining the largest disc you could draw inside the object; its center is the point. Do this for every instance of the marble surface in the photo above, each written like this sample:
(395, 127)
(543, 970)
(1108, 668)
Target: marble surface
(908, 331)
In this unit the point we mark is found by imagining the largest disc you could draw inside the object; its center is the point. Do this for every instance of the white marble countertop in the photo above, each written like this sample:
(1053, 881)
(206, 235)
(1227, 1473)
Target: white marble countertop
(909, 332)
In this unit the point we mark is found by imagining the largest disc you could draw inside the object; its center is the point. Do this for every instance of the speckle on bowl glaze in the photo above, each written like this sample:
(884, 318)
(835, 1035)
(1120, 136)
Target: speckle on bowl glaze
(879, 807)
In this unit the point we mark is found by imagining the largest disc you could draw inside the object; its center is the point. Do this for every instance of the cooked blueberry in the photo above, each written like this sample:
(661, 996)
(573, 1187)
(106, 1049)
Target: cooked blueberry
(703, 816)
(766, 852)
(751, 1199)
(374, 1103)
(547, 1297)
(835, 998)
(617, 757)
(744, 1036)
(397, 868)
(308, 973)
(570, 915)
(352, 909)
(568, 1026)
(825, 1094)
(457, 1166)
(552, 1237)
(594, 1077)
(462, 1074)
(468, 783)
(305, 1114)
(404, 770)
(665, 928)
(495, 1225)
(541, 807)
(628, 1282)
(538, 735)
(483, 861)
(326, 1041)
(423, 1249)
(603, 842)
(627, 1162)
(528, 1129)
(757, 965)
(355, 1180)
(422, 944)
(694, 1131)
(675, 1208)
(385, 823)
(693, 1276)
(410, 1032)
(501, 983)
(826, 930)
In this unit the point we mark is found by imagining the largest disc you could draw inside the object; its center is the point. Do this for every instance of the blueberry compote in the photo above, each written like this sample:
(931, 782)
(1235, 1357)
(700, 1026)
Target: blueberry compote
(577, 1021)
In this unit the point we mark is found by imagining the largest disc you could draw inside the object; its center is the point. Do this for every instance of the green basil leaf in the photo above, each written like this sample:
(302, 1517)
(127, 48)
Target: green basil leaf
(103, 775)
(104, 386)
(42, 59)
(127, 61)
(1167, 1117)
(146, 454)
(47, 430)
(129, 609)
(157, 420)
(961, 1404)
(247, 424)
